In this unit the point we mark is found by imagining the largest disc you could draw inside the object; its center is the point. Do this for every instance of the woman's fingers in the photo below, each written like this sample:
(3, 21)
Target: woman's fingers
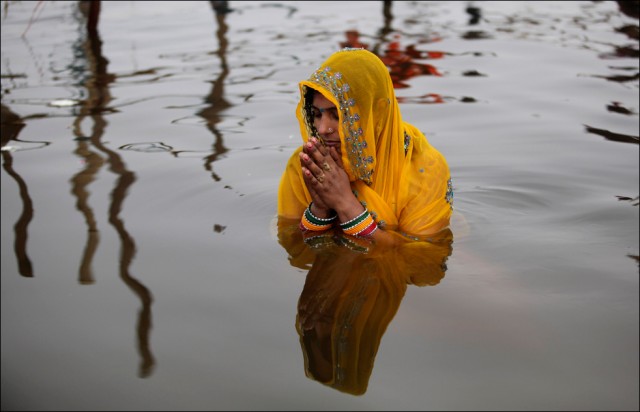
(326, 158)
(316, 171)
(336, 157)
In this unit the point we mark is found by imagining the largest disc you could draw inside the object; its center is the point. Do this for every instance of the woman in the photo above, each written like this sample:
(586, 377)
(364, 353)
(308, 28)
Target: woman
(361, 167)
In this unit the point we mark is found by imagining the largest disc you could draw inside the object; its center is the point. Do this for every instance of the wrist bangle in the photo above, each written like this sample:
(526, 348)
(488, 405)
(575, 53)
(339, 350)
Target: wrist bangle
(311, 222)
(353, 222)
(319, 219)
(362, 225)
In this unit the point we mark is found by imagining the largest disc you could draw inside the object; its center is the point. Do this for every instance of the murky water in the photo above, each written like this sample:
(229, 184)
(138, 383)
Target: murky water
(141, 264)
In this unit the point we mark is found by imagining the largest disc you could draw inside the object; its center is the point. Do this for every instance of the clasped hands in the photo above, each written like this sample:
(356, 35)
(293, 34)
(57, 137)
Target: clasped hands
(326, 180)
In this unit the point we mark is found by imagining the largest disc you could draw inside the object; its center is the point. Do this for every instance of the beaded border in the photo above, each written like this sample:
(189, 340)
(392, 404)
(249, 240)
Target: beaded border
(352, 132)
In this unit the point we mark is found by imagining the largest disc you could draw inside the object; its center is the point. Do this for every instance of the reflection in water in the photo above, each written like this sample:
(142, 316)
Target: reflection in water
(352, 40)
(216, 102)
(351, 293)
(91, 70)
(617, 107)
(402, 65)
(11, 127)
(475, 14)
(119, 193)
(215, 99)
(615, 137)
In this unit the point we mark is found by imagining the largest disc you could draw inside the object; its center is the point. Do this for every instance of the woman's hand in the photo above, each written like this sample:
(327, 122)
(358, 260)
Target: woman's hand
(329, 186)
(327, 181)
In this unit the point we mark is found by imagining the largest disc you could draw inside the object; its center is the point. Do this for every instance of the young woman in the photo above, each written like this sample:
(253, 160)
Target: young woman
(361, 169)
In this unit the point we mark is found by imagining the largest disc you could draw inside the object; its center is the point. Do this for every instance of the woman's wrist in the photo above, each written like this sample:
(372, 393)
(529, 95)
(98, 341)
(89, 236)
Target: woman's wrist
(350, 210)
(322, 213)
(312, 222)
(357, 221)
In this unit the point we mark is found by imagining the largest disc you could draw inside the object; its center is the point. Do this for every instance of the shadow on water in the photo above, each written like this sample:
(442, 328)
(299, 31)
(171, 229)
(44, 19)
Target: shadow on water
(351, 294)
(91, 71)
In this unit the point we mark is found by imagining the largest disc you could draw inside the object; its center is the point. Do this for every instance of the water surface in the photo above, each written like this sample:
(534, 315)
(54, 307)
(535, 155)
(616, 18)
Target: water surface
(141, 264)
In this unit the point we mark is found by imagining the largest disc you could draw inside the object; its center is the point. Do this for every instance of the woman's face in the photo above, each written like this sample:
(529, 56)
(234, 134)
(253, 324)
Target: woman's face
(326, 120)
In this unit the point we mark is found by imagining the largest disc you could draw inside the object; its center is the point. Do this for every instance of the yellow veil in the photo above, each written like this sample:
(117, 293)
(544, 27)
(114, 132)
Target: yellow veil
(394, 171)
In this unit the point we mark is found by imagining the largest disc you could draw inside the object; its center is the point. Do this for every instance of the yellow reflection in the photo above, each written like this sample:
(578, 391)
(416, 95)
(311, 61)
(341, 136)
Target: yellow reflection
(351, 293)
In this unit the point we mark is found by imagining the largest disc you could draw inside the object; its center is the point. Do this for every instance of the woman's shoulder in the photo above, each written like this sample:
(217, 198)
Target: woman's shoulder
(422, 150)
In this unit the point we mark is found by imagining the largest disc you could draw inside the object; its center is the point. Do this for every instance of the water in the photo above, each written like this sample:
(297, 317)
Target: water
(141, 268)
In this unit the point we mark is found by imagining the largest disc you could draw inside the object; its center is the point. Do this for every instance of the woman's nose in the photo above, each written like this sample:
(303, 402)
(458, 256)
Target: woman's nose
(325, 125)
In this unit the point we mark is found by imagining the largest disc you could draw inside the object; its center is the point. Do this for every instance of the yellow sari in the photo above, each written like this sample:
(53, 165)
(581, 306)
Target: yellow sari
(394, 171)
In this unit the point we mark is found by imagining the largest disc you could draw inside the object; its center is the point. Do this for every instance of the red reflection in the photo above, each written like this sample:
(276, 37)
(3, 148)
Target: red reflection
(402, 66)
(353, 40)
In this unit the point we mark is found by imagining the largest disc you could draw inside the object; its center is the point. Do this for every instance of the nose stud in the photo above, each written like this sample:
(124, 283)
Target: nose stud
(330, 130)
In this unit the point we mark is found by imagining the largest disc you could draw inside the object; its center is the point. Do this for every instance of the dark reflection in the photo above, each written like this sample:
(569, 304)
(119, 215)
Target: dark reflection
(617, 107)
(216, 100)
(630, 51)
(475, 14)
(615, 137)
(475, 17)
(91, 70)
(351, 293)
(12, 124)
(620, 78)
(128, 251)
(387, 17)
(629, 7)
(635, 201)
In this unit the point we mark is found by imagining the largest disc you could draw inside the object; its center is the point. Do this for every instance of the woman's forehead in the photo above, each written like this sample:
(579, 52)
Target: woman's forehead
(322, 102)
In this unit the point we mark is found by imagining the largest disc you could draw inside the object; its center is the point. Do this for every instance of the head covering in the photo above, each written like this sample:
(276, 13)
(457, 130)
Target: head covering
(395, 173)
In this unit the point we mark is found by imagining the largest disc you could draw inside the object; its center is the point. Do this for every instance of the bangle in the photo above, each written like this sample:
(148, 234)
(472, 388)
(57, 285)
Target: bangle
(310, 221)
(362, 225)
(368, 231)
(317, 219)
(353, 222)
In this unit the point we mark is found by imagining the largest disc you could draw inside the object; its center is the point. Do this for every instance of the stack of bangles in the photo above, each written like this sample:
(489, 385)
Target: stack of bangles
(362, 225)
(311, 222)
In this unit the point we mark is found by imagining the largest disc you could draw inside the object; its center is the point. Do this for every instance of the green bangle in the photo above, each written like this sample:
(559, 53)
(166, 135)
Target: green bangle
(353, 222)
(317, 220)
